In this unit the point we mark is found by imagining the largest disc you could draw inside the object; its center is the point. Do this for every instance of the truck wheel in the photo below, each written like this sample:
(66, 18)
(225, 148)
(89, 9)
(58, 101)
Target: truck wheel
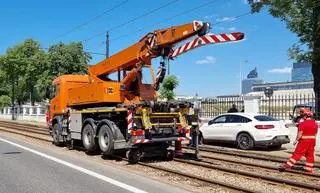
(56, 135)
(169, 154)
(133, 156)
(245, 141)
(88, 139)
(106, 140)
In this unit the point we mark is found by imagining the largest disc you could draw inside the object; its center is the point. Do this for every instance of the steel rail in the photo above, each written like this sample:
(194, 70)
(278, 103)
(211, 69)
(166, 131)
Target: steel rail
(25, 128)
(251, 174)
(256, 165)
(252, 155)
(211, 181)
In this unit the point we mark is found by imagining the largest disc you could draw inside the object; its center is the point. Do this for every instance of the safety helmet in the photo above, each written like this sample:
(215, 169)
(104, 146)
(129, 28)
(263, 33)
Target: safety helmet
(303, 110)
(307, 113)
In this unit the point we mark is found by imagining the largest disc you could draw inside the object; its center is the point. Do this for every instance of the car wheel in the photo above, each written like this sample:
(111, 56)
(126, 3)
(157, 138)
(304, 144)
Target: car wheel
(245, 141)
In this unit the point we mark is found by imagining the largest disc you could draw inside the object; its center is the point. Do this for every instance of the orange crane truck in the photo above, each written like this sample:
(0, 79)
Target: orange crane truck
(108, 114)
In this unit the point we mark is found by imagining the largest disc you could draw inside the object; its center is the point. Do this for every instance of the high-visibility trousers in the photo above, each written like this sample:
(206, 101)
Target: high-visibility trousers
(305, 147)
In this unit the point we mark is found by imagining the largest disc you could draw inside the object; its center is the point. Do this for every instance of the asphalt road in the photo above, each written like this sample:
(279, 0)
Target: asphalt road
(30, 168)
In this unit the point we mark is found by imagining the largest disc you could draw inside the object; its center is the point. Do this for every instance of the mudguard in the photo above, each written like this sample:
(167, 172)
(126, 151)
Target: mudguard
(117, 135)
(92, 123)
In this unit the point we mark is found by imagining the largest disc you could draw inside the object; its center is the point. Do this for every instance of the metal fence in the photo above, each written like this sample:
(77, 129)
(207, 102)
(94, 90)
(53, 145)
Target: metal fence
(281, 106)
(277, 106)
(211, 107)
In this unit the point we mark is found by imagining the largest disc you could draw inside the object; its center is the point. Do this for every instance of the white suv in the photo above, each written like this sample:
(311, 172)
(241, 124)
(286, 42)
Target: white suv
(247, 130)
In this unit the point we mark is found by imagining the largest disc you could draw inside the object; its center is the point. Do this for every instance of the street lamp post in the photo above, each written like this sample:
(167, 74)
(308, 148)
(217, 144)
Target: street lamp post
(268, 92)
(240, 89)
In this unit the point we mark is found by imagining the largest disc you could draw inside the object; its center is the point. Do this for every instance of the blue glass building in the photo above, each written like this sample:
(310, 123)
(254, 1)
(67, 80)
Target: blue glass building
(301, 72)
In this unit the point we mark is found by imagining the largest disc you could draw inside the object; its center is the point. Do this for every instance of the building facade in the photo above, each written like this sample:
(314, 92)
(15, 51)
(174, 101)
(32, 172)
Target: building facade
(283, 86)
(252, 79)
(301, 72)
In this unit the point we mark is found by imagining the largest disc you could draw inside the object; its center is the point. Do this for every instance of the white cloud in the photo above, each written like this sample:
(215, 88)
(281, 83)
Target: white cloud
(207, 17)
(284, 70)
(232, 29)
(207, 60)
(245, 1)
(225, 19)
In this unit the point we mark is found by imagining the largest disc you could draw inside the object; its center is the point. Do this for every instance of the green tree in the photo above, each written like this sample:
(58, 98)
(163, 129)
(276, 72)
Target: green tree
(22, 67)
(5, 100)
(4, 87)
(68, 59)
(170, 83)
(303, 18)
(31, 70)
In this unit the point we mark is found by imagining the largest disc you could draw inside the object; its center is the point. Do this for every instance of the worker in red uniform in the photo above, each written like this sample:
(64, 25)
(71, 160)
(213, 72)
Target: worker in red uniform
(306, 139)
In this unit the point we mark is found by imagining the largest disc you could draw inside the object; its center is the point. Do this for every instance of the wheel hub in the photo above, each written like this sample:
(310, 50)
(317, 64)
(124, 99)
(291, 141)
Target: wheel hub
(87, 138)
(104, 140)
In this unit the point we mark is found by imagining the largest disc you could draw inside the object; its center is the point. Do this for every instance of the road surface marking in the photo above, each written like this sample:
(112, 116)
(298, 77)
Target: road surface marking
(81, 169)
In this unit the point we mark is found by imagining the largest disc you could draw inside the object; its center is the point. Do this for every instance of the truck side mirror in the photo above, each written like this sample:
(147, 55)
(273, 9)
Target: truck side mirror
(48, 94)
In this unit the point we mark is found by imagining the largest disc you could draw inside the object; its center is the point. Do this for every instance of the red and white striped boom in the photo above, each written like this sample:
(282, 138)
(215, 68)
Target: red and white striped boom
(206, 39)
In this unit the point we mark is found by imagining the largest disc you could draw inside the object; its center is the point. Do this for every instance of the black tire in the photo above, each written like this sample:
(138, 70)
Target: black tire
(245, 141)
(88, 139)
(169, 154)
(105, 139)
(134, 156)
(56, 136)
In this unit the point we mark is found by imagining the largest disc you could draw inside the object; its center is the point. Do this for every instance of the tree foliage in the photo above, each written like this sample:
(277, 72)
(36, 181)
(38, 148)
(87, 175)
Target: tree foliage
(32, 70)
(303, 18)
(170, 83)
(68, 59)
(5, 100)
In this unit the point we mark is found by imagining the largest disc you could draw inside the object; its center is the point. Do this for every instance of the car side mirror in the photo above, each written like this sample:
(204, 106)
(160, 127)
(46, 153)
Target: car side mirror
(210, 122)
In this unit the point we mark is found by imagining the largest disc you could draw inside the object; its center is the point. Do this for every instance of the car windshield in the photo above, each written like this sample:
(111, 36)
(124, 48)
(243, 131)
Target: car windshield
(264, 118)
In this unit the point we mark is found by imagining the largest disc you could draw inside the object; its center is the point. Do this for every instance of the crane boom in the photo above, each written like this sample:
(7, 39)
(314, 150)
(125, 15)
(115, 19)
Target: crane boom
(154, 44)
(205, 40)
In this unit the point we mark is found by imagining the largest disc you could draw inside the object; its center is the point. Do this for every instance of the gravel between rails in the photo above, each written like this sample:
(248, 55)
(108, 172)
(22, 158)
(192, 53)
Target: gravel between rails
(252, 183)
(250, 160)
(164, 177)
(251, 153)
(31, 128)
(273, 173)
(28, 133)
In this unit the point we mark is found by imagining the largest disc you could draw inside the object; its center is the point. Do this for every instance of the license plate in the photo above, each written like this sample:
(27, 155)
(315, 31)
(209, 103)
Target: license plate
(281, 137)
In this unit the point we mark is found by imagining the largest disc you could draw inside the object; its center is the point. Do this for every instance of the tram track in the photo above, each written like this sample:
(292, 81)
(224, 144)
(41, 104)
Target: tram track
(208, 162)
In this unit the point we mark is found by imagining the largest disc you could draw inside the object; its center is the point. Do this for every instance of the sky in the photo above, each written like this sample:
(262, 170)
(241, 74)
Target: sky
(207, 71)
